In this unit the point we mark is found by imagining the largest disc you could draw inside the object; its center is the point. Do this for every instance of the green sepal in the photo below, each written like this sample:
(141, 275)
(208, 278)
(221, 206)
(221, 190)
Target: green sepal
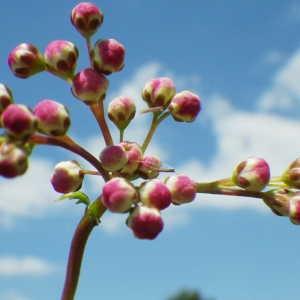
(82, 197)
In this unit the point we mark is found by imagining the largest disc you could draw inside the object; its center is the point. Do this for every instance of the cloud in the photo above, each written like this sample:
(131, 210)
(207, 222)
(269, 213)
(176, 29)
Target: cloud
(25, 266)
(12, 295)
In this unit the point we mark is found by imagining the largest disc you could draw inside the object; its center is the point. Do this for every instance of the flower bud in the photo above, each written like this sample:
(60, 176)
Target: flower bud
(26, 60)
(118, 195)
(149, 166)
(6, 97)
(52, 118)
(185, 106)
(113, 158)
(155, 193)
(278, 201)
(253, 174)
(13, 160)
(158, 92)
(89, 86)
(182, 188)
(108, 56)
(67, 177)
(121, 111)
(291, 175)
(134, 154)
(145, 222)
(294, 208)
(86, 18)
(18, 121)
(61, 58)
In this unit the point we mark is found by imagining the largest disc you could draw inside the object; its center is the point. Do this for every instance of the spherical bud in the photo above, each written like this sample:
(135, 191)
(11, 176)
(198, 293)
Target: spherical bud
(86, 18)
(253, 174)
(145, 222)
(18, 121)
(61, 58)
(149, 166)
(108, 56)
(6, 97)
(13, 160)
(67, 177)
(158, 92)
(89, 86)
(291, 175)
(134, 154)
(121, 111)
(155, 193)
(118, 195)
(52, 118)
(185, 106)
(26, 60)
(182, 188)
(294, 208)
(113, 158)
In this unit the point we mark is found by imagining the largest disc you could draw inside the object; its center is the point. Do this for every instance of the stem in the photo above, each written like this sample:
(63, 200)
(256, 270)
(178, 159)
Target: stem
(98, 112)
(89, 47)
(121, 135)
(81, 235)
(69, 144)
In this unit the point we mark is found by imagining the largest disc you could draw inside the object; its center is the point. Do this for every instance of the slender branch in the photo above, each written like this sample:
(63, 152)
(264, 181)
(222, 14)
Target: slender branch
(98, 112)
(89, 47)
(81, 235)
(67, 143)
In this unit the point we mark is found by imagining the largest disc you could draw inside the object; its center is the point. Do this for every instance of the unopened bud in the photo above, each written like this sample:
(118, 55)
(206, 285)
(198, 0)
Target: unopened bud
(26, 60)
(13, 160)
(67, 177)
(52, 118)
(6, 97)
(158, 92)
(253, 174)
(121, 111)
(291, 175)
(278, 201)
(182, 188)
(19, 121)
(108, 56)
(149, 166)
(145, 222)
(113, 158)
(118, 195)
(89, 86)
(185, 106)
(155, 193)
(61, 58)
(86, 18)
(294, 208)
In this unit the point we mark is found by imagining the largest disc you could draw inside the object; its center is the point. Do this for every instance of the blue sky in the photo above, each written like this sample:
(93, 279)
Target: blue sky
(243, 59)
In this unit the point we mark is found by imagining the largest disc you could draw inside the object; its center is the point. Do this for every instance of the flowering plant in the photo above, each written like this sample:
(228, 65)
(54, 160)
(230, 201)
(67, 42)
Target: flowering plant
(131, 183)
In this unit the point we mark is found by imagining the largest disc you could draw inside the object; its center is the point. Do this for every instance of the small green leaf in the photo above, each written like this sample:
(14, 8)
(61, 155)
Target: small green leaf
(82, 197)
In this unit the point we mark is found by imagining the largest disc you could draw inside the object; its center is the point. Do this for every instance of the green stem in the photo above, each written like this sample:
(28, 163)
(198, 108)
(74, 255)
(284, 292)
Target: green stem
(67, 143)
(81, 235)
(98, 111)
(121, 135)
(89, 47)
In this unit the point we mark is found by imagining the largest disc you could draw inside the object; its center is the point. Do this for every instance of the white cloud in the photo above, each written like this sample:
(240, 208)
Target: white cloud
(25, 266)
(12, 295)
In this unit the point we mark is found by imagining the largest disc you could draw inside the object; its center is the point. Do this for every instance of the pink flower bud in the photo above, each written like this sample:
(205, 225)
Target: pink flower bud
(113, 158)
(86, 18)
(294, 208)
(61, 58)
(185, 107)
(18, 121)
(155, 193)
(158, 92)
(118, 195)
(149, 166)
(121, 111)
(134, 154)
(52, 118)
(291, 175)
(67, 177)
(253, 174)
(182, 188)
(13, 160)
(89, 86)
(108, 56)
(145, 222)
(6, 97)
(26, 60)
